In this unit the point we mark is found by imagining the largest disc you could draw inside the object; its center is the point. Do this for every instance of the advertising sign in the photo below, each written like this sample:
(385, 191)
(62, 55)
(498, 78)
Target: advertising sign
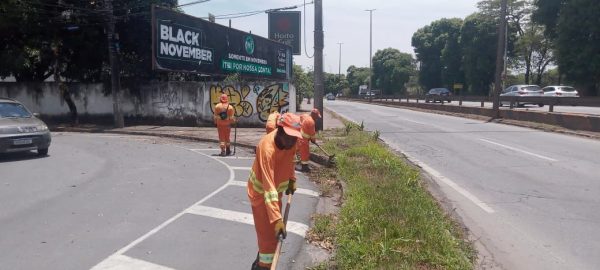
(184, 43)
(284, 27)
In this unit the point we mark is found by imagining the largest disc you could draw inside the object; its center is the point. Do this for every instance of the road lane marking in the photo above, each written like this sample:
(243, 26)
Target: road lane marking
(519, 150)
(122, 262)
(242, 168)
(441, 178)
(302, 191)
(241, 217)
(178, 215)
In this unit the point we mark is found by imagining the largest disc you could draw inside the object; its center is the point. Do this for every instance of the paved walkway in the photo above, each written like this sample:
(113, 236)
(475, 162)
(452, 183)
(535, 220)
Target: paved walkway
(246, 137)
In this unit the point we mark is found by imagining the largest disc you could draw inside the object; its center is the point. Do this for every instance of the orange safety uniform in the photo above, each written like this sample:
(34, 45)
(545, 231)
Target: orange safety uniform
(272, 121)
(308, 134)
(224, 125)
(271, 171)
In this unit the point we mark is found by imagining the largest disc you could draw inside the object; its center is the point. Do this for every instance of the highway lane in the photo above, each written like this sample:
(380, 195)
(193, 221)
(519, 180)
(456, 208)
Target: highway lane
(102, 201)
(530, 198)
(557, 109)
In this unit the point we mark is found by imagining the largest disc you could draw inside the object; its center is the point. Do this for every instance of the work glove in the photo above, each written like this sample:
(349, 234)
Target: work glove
(280, 228)
(291, 187)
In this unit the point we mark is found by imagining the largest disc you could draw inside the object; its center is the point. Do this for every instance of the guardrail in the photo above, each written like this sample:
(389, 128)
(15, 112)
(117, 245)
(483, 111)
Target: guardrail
(511, 101)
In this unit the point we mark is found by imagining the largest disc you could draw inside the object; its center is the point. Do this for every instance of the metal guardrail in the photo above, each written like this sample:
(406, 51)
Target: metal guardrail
(513, 101)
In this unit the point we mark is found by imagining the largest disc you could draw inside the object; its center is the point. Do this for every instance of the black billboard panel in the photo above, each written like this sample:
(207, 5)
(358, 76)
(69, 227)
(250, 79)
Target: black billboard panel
(187, 44)
(284, 27)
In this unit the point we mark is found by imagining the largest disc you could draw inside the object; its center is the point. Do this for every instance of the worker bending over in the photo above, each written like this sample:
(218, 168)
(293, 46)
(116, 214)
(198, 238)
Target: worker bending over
(272, 174)
(308, 123)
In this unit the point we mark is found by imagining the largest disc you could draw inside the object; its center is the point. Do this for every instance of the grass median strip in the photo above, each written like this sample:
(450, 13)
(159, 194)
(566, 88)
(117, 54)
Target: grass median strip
(388, 220)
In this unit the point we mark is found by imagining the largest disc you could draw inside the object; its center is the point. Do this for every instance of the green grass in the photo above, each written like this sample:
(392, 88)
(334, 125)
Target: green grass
(388, 219)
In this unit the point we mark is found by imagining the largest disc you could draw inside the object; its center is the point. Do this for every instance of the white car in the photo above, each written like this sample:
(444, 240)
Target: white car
(521, 90)
(560, 91)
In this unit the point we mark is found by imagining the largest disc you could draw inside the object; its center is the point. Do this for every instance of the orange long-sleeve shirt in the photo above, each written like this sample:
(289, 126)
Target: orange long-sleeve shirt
(270, 175)
(222, 107)
(308, 127)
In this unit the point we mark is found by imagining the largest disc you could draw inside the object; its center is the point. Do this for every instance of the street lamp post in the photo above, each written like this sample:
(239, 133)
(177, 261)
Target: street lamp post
(370, 53)
(340, 62)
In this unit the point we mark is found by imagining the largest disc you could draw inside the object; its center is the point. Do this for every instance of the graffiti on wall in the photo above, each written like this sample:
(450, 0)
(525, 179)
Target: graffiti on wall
(169, 100)
(259, 100)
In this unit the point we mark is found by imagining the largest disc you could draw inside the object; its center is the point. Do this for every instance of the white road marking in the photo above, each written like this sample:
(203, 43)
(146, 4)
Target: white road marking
(169, 221)
(519, 150)
(241, 217)
(122, 262)
(234, 157)
(302, 191)
(242, 168)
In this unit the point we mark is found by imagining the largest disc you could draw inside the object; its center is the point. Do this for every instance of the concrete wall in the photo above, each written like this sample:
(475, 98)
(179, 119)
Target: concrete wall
(178, 103)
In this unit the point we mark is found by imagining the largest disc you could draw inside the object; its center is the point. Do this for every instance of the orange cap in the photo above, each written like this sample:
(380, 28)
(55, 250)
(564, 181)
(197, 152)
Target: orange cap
(291, 124)
(316, 112)
(224, 98)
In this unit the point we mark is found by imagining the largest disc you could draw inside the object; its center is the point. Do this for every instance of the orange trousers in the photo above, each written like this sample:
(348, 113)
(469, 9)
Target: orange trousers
(304, 149)
(224, 134)
(265, 232)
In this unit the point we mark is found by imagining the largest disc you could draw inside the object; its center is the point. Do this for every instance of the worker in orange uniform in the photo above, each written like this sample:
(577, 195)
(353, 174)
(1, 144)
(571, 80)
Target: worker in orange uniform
(224, 117)
(272, 121)
(272, 174)
(309, 134)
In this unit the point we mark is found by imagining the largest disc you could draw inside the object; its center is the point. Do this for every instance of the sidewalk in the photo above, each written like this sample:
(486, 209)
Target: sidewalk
(246, 137)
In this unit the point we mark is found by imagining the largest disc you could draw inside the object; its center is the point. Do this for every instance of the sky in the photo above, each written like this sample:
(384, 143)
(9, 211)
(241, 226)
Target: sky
(344, 21)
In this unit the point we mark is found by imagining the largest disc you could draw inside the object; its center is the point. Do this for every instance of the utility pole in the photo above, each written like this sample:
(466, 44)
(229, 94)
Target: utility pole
(500, 59)
(370, 54)
(340, 64)
(319, 85)
(115, 84)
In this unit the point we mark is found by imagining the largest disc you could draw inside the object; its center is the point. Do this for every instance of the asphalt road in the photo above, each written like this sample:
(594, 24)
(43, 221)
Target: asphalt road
(530, 198)
(130, 202)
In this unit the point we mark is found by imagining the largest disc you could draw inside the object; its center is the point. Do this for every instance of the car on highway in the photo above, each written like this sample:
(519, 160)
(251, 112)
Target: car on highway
(330, 96)
(522, 90)
(20, 130)
(560, 91)
(438, 94)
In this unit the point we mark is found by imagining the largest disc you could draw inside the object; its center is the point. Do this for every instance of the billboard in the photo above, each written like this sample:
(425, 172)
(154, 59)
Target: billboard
(183, 43)
(284, 27)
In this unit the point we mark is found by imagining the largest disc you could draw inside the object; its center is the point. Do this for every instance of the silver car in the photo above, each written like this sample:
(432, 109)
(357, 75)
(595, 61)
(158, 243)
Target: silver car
(560, 91)
(522, 90)
(20, 130)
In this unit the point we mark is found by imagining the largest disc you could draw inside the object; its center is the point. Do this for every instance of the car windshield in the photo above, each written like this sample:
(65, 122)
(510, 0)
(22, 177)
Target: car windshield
(13, 110)
(568, 89)
(531, 88)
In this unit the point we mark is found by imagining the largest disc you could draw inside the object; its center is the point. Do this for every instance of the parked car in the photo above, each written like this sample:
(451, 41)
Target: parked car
(560, 91)
(438, 94)
(522, 90)
(330, 96)
(20, 130)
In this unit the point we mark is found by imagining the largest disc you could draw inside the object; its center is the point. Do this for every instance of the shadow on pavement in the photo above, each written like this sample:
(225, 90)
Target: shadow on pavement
(21, 156)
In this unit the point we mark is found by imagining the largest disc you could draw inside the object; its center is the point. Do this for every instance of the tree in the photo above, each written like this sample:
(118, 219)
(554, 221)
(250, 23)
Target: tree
(334, 83)
(356, 77)
(578, 44)
(536, 49)
(438, 51)
(302, 82)
(391, 70)
(478, 42)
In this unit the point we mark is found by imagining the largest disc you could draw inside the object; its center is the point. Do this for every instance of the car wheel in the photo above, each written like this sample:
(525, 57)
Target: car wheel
(540, 105)
(42, 152)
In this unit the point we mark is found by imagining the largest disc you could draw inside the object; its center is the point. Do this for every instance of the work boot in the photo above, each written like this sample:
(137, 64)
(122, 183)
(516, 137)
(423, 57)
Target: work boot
(228, 151)
(222, 152)
(255, 266)
(305, 168)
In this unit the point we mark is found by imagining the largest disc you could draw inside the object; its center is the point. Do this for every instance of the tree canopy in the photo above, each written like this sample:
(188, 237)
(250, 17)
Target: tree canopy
(391, 70)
